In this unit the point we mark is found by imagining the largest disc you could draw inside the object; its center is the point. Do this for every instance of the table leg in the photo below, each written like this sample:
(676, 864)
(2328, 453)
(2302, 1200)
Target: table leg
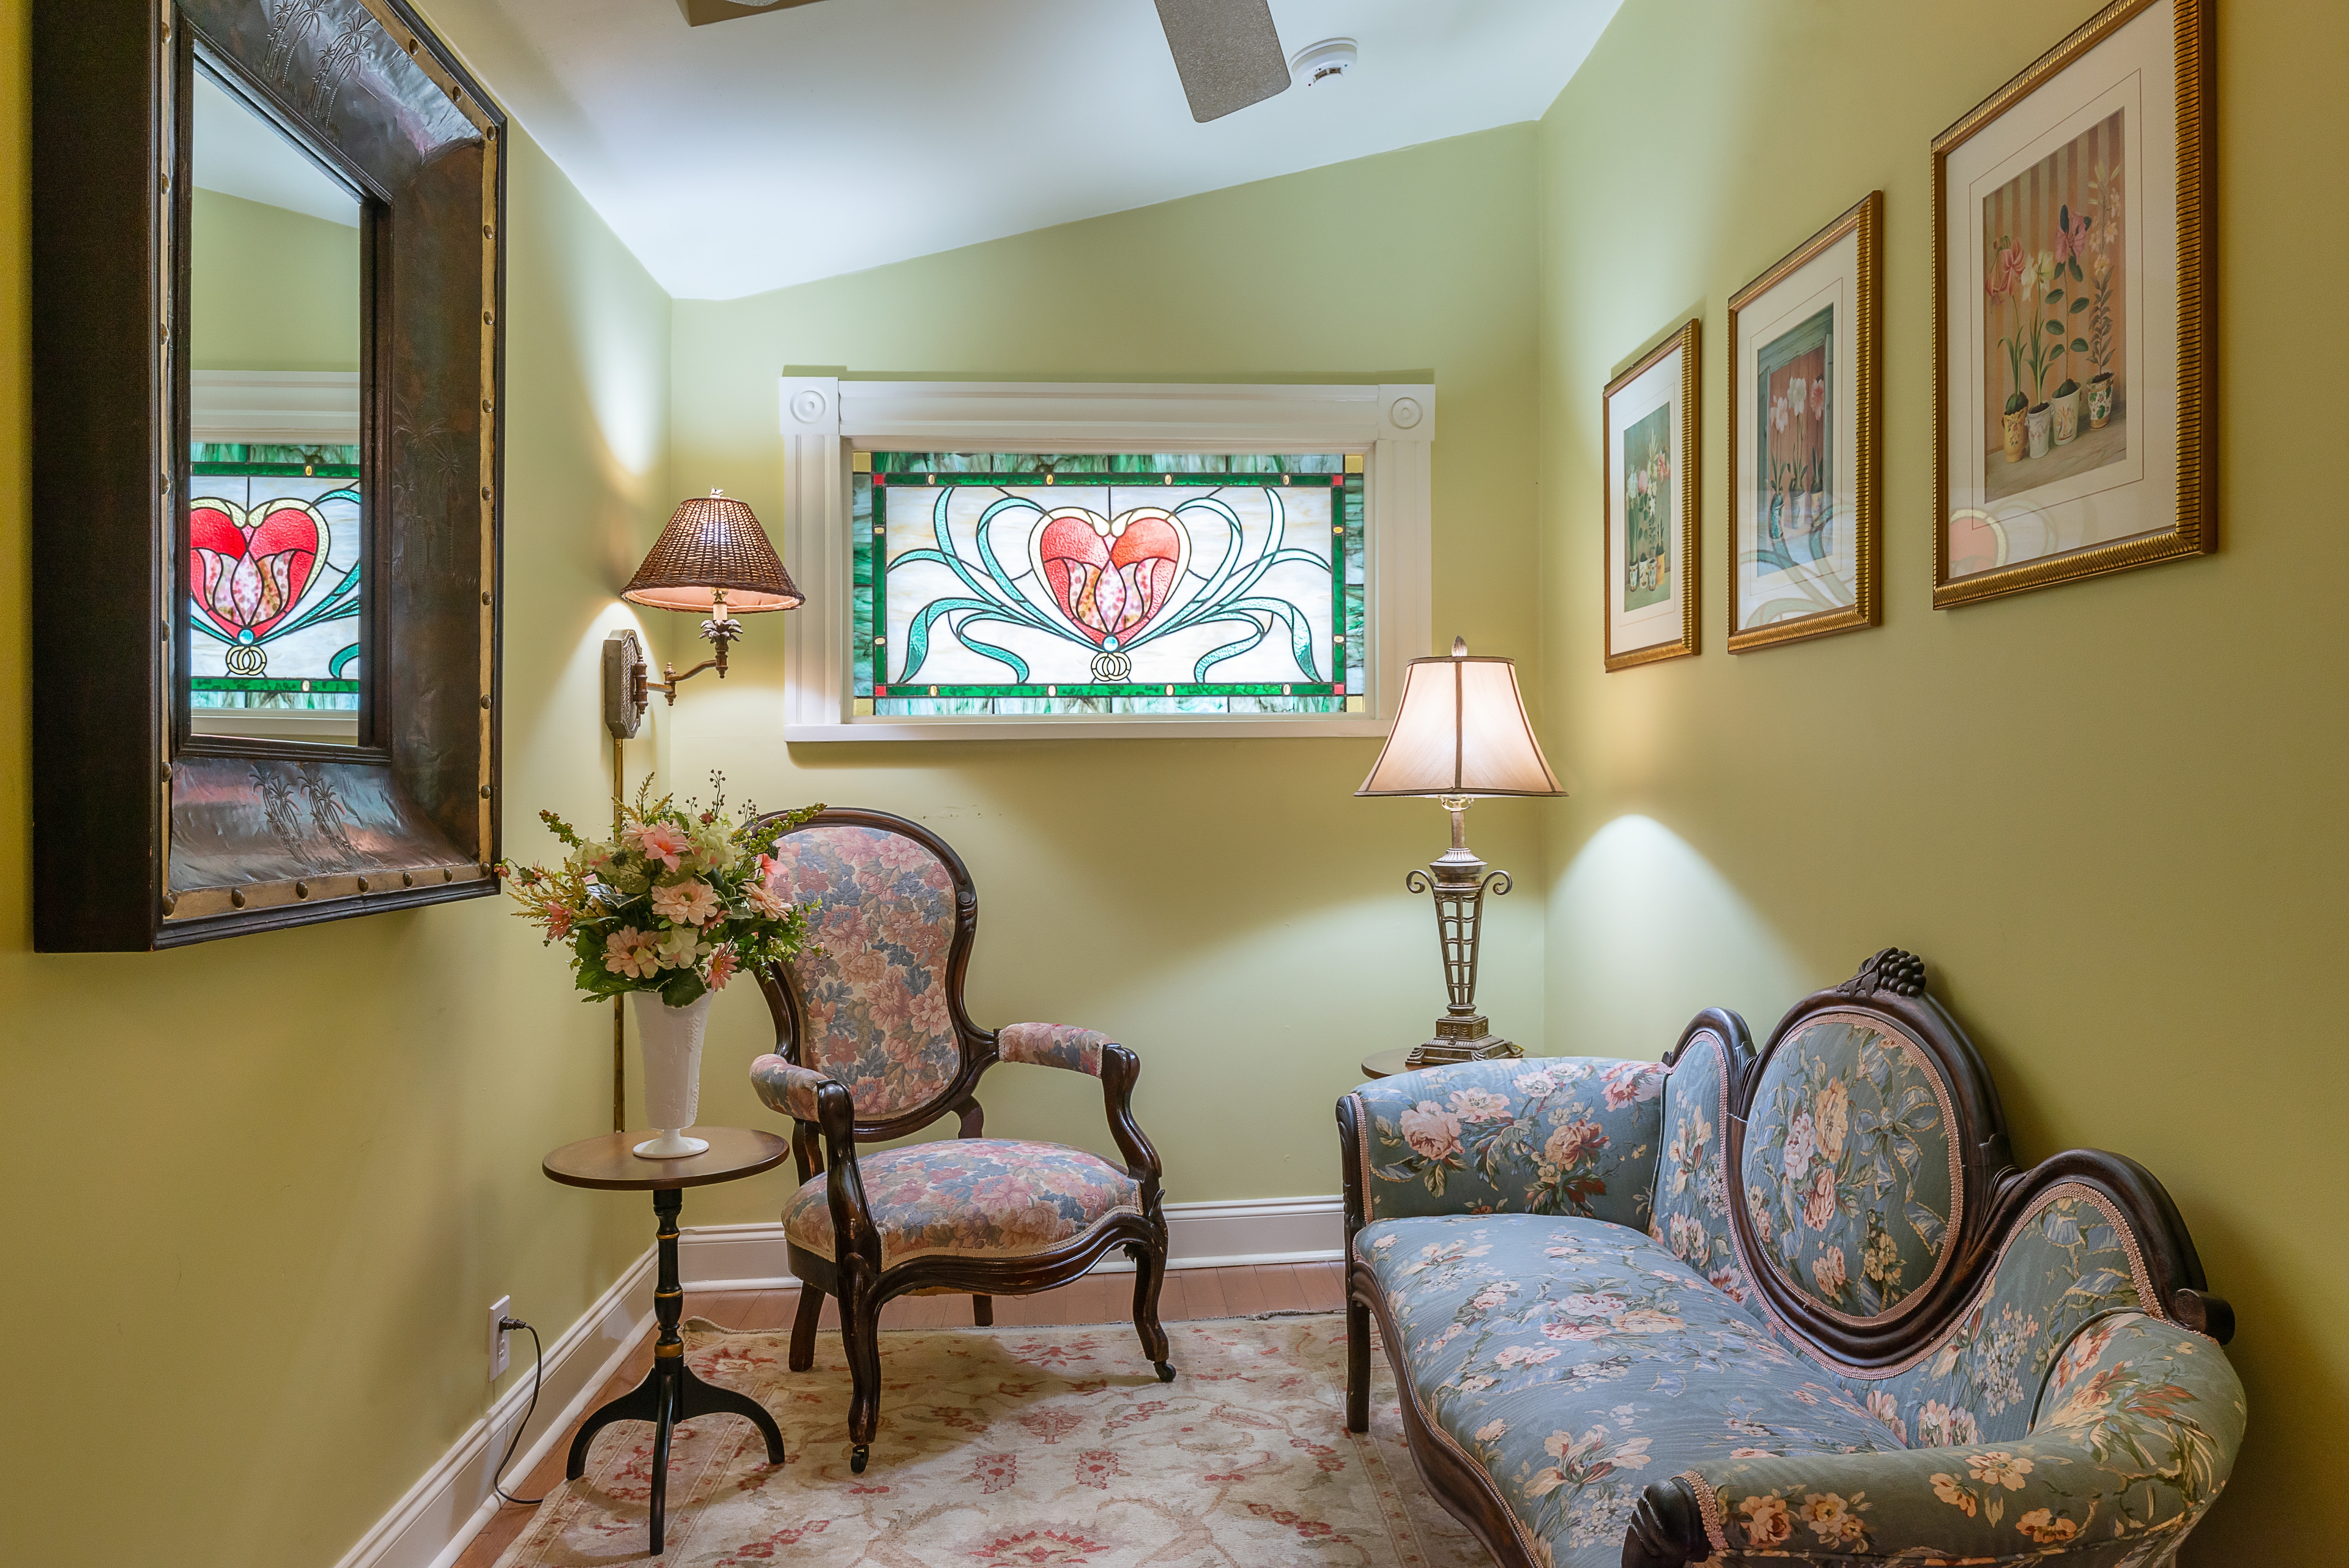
(670, 1393)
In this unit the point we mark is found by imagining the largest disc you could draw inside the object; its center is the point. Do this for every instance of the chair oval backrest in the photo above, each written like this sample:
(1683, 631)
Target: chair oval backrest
(1850, 1165)
(875, 1007)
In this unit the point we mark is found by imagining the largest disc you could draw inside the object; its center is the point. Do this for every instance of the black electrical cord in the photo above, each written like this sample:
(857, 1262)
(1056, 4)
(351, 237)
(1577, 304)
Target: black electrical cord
(537, 1369)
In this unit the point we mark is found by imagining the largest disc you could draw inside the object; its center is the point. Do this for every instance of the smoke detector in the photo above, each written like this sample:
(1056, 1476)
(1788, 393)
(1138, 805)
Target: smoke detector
(1325, 61)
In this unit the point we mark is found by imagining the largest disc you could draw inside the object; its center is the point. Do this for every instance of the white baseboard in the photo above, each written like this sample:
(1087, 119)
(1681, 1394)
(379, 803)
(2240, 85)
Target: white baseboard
(430, 1527)
(442, 1513)
(1219, 1234)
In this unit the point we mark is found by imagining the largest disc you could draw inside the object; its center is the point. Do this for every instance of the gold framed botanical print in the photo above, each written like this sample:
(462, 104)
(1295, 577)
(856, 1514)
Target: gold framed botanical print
(1805, 399)
(2073, 359)
(1650, 512)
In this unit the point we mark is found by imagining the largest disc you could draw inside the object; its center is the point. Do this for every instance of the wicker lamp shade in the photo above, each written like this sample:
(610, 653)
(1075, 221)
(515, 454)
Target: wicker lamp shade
(713, 543)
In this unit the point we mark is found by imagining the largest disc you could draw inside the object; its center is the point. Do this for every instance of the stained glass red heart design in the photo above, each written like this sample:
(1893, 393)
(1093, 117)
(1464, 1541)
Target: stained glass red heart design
(247, 569)
(1111, 576)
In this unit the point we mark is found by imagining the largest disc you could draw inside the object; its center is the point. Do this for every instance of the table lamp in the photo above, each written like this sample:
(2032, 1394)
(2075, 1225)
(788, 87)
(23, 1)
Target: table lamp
(1460, 733)
(713, 556)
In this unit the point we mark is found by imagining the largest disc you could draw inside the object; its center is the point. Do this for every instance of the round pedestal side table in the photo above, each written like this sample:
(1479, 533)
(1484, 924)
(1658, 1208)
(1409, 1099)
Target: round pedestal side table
(670, 1393)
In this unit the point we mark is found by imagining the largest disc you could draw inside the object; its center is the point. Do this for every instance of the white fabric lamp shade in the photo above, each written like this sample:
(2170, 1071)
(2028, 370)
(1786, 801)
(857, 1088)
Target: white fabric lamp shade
(1461, 730)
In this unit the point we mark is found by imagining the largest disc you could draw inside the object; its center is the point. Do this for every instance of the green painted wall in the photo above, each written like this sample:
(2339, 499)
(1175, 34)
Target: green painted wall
(272, 289)
(1225, 907)
(2109, 814)
(264, 1190)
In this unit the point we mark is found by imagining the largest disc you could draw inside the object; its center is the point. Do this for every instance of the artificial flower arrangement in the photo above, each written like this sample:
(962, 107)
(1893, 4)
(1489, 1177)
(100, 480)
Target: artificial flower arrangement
(676, 902)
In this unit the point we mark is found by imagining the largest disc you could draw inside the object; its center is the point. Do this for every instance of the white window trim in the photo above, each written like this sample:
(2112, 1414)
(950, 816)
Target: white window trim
(825, 417)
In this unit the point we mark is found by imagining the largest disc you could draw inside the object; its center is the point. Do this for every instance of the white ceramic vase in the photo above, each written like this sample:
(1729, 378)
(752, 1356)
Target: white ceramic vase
(669, 1044)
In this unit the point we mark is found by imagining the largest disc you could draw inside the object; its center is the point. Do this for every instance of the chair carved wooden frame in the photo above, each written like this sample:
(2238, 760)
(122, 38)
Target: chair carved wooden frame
(876, 1043)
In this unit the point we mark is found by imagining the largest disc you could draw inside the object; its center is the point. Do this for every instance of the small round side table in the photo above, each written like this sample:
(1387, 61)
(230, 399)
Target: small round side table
(1386, 1063)
(670, 1393)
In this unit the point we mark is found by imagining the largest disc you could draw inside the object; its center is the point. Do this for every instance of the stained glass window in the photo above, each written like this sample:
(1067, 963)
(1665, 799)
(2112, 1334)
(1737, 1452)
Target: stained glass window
(1025, 582)
(274, 577)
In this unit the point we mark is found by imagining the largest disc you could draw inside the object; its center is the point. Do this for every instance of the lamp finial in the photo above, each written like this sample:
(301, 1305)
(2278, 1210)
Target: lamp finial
(717, 492)
(1459, 648)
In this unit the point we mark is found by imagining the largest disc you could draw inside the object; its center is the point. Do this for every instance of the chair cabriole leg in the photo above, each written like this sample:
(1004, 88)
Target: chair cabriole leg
(1148, 1275)
(804, 1327)
(1358, 1363)
(982, 1312)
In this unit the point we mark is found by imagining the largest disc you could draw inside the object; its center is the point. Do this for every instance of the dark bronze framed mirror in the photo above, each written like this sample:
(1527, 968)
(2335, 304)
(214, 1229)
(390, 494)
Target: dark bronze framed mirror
(268, 364)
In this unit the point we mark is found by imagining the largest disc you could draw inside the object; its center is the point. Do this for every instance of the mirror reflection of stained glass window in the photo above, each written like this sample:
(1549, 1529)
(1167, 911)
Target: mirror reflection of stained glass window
(274, 522)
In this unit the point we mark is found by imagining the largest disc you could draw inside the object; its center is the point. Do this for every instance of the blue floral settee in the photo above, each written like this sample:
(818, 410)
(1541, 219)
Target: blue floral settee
(1793, 1304)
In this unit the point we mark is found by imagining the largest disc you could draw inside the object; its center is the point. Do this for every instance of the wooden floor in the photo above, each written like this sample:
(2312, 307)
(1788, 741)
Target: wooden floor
(1096, 1298)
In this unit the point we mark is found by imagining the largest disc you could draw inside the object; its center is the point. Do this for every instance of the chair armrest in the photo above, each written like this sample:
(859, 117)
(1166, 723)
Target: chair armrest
(1516, 1134)
(1052, 1045)
(823, 1103)
(2136, 1435)
(787, 1087)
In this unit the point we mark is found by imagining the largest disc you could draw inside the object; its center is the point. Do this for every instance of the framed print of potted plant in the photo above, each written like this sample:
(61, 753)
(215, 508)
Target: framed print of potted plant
(1805, 395)
(1651, 504)
(2072, 346)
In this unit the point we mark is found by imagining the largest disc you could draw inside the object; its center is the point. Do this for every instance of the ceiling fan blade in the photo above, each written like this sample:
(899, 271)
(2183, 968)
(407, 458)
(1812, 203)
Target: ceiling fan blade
(1227, 52)
(701, 12)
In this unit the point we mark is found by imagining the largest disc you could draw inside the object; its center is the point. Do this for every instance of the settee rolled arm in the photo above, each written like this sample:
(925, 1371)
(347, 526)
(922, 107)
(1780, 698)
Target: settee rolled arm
(2135, 1436)
(1559, 1134)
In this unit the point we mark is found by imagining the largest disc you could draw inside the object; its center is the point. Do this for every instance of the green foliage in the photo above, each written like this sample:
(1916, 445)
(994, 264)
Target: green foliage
(675, 902)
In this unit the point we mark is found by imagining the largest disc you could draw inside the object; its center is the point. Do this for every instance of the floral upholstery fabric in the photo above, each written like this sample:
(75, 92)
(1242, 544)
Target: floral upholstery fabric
(2141, 1424)
(1052, 1045)
(874, 991)
(1689, 1213)
(1850, 1167)
(997, 1197)
(786, 1088)
(1575, 1361)
(2067, 1265)
(1562, 1134)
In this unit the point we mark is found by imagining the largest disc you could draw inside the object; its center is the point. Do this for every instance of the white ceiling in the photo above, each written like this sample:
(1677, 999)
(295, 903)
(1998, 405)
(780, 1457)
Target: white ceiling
(238, 152)
(823, 138)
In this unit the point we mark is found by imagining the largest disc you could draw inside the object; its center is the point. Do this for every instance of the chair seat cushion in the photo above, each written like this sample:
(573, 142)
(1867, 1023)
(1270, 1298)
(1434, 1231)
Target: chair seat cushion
(972, 1197)
(1574, 1361)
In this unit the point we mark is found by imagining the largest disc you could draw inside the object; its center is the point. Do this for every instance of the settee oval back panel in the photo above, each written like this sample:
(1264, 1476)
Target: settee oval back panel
(1850, 1167)
(872, 993)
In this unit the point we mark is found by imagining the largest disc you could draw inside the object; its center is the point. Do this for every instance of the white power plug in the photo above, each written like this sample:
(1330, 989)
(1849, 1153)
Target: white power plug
(500, 1355)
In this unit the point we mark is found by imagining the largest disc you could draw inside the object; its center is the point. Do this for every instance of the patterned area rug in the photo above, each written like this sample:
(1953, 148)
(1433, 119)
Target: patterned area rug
(1039, 1448)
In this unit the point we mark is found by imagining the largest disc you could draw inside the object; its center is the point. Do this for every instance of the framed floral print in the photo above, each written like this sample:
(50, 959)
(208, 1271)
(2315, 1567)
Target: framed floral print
(1805, 395)
(1650, 512)
(2071, 352)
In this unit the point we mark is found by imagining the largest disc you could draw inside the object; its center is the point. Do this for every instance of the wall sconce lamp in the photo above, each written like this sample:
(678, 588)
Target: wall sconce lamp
(1460, 733)
(714, 557)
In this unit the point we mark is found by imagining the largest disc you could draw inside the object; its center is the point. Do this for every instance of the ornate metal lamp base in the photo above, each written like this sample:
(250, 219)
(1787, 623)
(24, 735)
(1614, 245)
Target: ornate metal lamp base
(1436, 1053)
(1458, 882)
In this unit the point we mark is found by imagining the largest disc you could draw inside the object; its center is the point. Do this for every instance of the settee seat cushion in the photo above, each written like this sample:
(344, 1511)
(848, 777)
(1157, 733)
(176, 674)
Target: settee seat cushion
(1000, 1197)
(1574, 1361)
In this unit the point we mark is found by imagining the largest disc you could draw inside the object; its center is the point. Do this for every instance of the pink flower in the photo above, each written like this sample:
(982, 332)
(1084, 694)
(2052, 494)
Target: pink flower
(2005, 272)
(690, 903)
(558, 921)
(2071, 239)
(1433, 1132)
(660, 841)
(1819, 398)
(766, 900)
(722, 965)
(1819, 1207)
(631, 952)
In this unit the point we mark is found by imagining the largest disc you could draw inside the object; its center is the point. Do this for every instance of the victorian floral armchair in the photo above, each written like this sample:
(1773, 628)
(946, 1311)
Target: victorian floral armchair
(1796, 1303)
(873, 1043)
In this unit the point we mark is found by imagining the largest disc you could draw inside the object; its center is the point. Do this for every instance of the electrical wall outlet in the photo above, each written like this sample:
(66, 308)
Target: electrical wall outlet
(500, 1355)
